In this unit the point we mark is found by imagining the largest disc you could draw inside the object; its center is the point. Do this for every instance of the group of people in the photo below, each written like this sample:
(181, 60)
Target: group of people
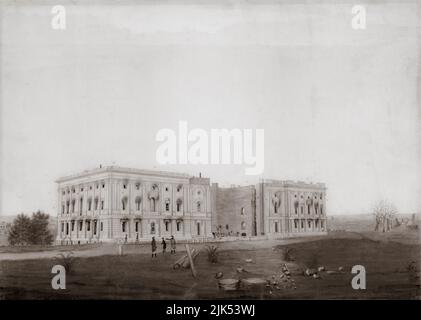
(164, 246)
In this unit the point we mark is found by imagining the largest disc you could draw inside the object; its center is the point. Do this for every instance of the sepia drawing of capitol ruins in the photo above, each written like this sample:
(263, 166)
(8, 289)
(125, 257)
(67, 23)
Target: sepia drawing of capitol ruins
(109, 204)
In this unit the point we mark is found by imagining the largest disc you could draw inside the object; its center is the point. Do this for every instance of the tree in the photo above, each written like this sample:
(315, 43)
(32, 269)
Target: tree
(39, 232)
(384, 213)
(30, 231)
(19, 233)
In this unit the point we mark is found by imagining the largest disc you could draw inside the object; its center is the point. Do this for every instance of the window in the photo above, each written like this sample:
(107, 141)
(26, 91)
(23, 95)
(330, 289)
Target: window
(137, 201)
(178, 225)
(102, 204)
(198, 206)
(276, 226)
(67, 206)
(321, 210)
(315, 209)
(243, 225)
(321, 224)
(227, 227)
(296, 210)
(302, 209)
(137, 186)
(152, 227)
(295, 224)
(166, 188)
(73, 206)
(62, 209)
(178, 207)
(81, 189)
(124, 203)
(88, 225)
(89, 204)
(309, 223)
(90, 187)
(67, 228)
(80, 225)
(73, 226)
(124, 186)
(302, 224)
(81, 205)
(101, 226)
(97, 186)
(242, 211)
(123, 226)
(308, 209)
(103, 185)
(167, 224)
(198, 228)
(179, 187)
(62, 227)
(95, 227)
(136, 226)
(167, 206)
(96, 203)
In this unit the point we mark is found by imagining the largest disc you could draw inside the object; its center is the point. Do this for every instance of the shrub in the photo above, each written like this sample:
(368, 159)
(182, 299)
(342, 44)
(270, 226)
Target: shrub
(66, 260)
(287, 254)
(212, 253)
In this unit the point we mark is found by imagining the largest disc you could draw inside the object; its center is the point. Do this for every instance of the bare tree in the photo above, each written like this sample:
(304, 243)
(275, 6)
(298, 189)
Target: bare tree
(384, 213)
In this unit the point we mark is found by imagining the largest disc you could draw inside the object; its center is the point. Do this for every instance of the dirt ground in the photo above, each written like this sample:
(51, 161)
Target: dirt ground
(136, 276)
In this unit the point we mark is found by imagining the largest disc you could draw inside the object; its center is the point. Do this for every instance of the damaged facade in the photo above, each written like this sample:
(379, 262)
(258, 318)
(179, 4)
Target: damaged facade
(113, 203)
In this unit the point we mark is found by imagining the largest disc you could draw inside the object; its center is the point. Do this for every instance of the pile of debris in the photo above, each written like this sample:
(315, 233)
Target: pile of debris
(316, 273)
(283, 280)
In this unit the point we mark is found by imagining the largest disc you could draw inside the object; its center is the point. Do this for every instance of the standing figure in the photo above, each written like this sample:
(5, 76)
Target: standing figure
(164, 245)
(173, 244)
(153, 243)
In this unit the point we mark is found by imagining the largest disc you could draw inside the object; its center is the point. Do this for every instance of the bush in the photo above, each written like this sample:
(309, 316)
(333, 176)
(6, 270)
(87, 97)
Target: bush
(286, 254)
(66, 260)
(212, 253)
(313, 261)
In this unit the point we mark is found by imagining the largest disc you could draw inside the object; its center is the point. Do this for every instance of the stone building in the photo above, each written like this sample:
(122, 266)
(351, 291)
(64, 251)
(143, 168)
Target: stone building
(112, 203)
(4, 233)
(271, 208)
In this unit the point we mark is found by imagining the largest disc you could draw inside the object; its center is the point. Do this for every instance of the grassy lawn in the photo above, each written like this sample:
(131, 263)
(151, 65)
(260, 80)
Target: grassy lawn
(137, 276)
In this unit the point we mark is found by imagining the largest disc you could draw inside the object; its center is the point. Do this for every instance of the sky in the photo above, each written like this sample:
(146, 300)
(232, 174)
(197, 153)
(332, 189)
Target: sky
(337, 105)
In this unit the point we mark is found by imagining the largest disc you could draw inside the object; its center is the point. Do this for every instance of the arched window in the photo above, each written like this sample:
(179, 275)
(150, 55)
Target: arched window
(124, 203)
(137, 201)
(152, 227)
(81, 205)
(243, 225)
(179, 202)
